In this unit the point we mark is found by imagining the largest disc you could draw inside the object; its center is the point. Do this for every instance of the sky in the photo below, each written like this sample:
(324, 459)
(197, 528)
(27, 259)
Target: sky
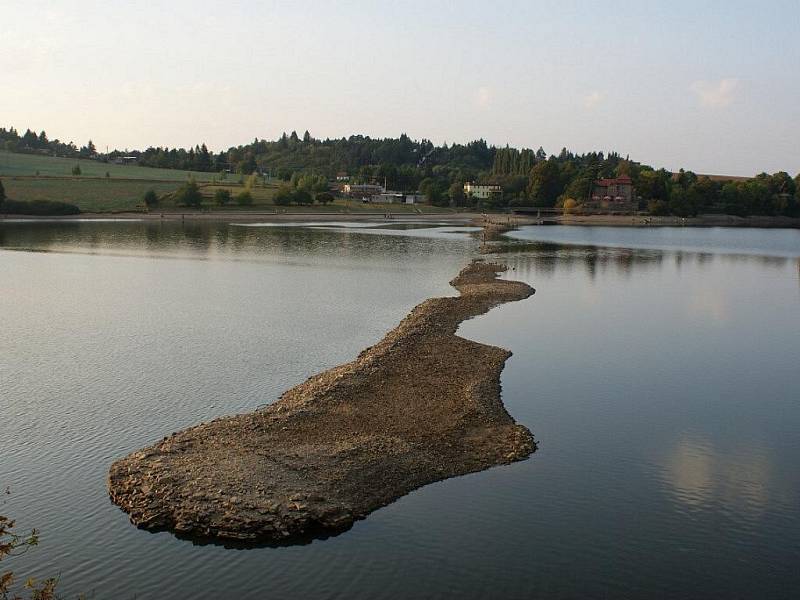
(709, 86)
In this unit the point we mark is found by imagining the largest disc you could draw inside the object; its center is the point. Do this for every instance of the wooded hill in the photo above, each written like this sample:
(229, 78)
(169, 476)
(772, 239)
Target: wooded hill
(528, 177)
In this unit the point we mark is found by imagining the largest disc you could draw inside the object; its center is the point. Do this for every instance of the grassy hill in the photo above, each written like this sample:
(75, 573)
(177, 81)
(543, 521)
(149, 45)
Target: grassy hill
(13, 164)
(90, 195)
(97, 195)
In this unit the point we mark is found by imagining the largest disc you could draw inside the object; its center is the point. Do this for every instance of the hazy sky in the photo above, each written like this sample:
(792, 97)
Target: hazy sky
(710, 86)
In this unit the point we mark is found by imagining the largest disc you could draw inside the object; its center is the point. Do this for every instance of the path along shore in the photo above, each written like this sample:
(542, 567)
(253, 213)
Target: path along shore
(420, 406)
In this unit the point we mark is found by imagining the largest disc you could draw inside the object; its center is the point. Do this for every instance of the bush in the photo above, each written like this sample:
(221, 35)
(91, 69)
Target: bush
(13, 543)
(39, 208)
(569, 205)
(2, 192)
(76, 170)
(244, 198)
(658, 208)
(324, 198)
(150, 199)
(303, 197)
(222, 197)
(284, 196)
(189, 195)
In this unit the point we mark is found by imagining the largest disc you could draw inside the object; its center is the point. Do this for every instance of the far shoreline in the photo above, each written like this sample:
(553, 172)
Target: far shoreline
(461, 218)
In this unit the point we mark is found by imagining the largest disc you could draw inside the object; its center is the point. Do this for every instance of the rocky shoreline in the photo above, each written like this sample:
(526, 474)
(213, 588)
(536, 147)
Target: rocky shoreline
(420, 406)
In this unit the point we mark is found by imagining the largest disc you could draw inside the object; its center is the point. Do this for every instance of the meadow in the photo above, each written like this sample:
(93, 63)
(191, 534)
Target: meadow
(103, 187)
(101, 195)
(13, 164)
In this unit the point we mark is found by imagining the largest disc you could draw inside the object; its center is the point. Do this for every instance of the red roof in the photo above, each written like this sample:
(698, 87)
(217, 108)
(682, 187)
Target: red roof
(623, 180)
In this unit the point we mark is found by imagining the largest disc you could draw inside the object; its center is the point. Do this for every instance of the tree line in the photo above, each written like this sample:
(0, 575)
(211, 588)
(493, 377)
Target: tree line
(528, 177)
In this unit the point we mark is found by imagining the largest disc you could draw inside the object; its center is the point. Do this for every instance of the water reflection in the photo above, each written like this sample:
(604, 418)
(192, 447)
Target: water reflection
(208, 240)
(700, 475)
(547, 259)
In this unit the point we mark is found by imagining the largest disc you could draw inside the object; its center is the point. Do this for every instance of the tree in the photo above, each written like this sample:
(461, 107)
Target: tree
(456, 194)
(303, 197)
(248, 165)
(545, 184)
(150, 199)
(203, 159)
(244, 198)
(324, 198)
(2, 193)
(189, 195)
(284, 196)
(658, 208)
(306, 137)
(222, 197)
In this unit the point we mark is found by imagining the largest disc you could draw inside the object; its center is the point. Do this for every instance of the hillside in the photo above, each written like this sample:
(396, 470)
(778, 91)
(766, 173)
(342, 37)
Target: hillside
(13, 164)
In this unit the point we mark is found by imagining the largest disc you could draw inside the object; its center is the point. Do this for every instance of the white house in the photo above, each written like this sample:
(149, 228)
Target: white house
(362, 190)
(482, 191)
(397, 197)
(388, 198)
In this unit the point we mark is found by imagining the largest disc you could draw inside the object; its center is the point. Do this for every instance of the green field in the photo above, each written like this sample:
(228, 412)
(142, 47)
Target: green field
(90, 195)
(124, 188)
(12, 164)
(118, 195)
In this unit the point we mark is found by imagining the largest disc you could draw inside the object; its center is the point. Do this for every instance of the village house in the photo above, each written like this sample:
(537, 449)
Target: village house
(362, 190)
(482, 191)
(616, 194)
(397, 198)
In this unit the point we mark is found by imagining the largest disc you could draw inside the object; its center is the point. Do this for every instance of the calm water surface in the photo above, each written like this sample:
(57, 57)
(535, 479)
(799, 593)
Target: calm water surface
(659, 375)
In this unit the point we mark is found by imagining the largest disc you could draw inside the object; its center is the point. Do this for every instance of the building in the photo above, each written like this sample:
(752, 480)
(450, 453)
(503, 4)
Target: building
(397, 198)
(613, 194)
(482, 191)
(362, 190)
(388, 198)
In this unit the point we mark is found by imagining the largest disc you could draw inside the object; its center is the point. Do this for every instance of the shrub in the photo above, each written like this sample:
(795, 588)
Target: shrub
(303, 197)
(658, 208)
(324, 198)
(284, 196)
(76, 170)
(222, 197)
(13, 543)
(244, 198)
(150, 199)
(189, 195)
(39, 208)
(569, 205)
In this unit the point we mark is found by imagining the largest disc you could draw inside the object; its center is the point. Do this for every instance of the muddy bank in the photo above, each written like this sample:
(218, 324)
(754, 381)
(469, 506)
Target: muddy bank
(420, 406)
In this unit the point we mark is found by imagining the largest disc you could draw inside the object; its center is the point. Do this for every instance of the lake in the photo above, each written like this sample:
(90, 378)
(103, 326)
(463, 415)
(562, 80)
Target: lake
(657, 368)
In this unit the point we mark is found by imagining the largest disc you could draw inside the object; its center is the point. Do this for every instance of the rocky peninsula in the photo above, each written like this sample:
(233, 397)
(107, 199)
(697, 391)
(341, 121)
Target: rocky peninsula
(420, 406)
